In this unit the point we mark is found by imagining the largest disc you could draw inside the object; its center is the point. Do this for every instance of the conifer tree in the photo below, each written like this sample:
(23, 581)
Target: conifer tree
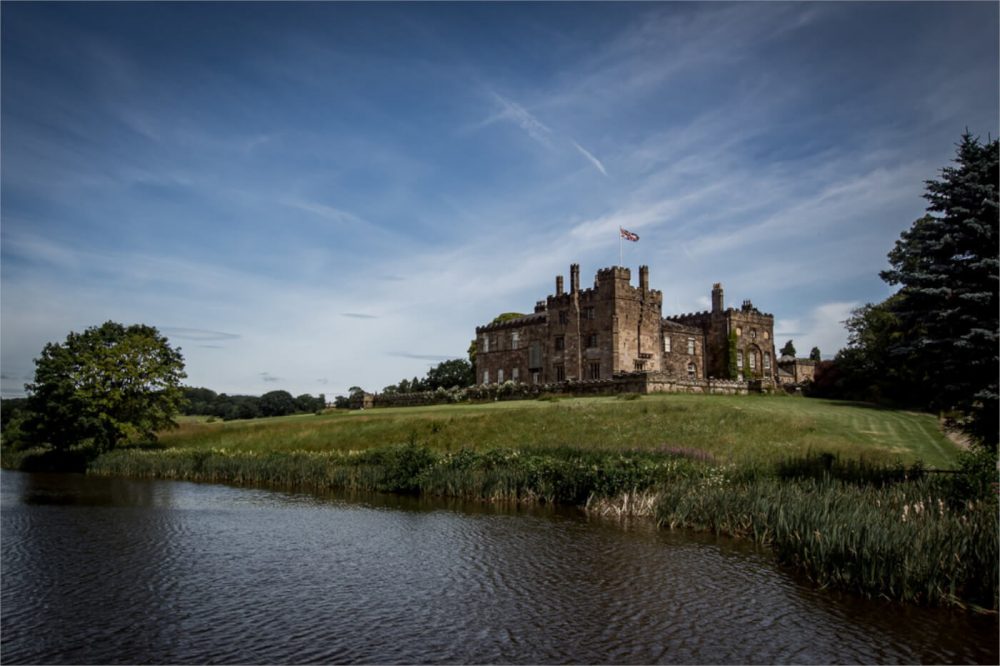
(947, 267)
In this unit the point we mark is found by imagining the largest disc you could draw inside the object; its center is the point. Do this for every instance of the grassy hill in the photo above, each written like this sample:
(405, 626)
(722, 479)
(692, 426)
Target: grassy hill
(741, 429)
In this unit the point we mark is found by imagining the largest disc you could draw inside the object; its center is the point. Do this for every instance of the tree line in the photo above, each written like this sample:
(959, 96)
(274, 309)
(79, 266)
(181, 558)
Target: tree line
(206, 402)
(933, 344)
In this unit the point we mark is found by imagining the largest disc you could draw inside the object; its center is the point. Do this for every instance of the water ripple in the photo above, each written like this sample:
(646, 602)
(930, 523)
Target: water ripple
(152, 572)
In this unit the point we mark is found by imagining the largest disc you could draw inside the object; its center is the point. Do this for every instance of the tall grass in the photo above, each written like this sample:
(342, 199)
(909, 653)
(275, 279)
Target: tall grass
(885, 531)
(910, 541)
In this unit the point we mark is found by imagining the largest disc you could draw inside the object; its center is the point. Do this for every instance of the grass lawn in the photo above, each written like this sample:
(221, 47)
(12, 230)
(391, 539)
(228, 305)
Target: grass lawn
(741, 429)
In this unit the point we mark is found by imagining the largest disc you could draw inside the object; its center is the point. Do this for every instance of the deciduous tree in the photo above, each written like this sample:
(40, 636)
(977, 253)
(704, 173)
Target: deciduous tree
(110, 385)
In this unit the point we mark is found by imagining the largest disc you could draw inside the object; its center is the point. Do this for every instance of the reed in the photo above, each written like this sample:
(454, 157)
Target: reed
(877, 530)
(912, 541)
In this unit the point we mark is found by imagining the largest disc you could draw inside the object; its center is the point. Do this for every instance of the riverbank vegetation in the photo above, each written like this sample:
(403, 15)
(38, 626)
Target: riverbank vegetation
(855, 497)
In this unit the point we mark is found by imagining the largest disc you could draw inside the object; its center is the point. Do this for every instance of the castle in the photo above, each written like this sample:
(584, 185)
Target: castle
(613, 330)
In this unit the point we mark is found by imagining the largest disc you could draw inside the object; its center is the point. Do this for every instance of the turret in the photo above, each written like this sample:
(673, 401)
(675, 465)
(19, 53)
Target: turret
(644, 278)
(574, 278)
(718, 301)
(559, 285)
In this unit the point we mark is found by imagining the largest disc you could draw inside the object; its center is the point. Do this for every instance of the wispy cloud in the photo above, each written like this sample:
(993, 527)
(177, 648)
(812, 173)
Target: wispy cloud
(593, 160)
(421, 357)
(196, 334)
(358, 315)
(517, 114)
(269, 378)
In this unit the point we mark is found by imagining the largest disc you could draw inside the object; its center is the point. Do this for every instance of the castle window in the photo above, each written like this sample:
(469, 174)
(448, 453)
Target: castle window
(514, 375)
(666, 343)
(595, 370)
(753, 333)
(563, 317)
(486, 343)
(739, 359)
(691, 370)
(690, 345)
(486, 376)
(639, 365)
(588, 313)
(535, 355)
(560, 343)
(767, 336)
(592, 340)
(753, 361)
(500, 376)
(767, 360)
(739, 331)
(560, 373)
(514, 339)
(534, 378)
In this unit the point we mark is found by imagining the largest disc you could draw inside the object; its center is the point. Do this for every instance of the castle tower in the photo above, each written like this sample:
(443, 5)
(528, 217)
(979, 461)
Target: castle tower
(718, 301)
(574, 278)
(559, 285)
(644, 278)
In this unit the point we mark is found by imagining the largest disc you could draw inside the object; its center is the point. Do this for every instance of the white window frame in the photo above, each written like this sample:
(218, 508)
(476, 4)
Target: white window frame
(500, 376)
(739, 358)
(514, 375)
(514, 339)
(666, 343)
(690, 346)
(486, 377)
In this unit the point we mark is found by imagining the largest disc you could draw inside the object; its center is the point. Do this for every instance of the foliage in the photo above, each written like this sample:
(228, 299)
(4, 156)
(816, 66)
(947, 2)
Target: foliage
(108, 386)
(206, 402)
(456, 372)
(506, 316)
(445, 375)
(814, 355)
(871, 367)
(788, 349)
(733, 367)
(948, 270)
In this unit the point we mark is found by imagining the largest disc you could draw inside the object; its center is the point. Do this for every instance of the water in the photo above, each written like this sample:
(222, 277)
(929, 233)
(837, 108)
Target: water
(115, 571)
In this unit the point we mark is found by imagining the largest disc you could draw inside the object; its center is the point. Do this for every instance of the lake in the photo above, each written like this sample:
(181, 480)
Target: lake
(98, 570)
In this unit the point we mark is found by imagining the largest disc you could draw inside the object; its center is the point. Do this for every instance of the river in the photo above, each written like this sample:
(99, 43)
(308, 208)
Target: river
(99, 570)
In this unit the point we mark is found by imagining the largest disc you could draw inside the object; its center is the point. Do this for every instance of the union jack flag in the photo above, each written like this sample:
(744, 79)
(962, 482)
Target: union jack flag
(628, 235)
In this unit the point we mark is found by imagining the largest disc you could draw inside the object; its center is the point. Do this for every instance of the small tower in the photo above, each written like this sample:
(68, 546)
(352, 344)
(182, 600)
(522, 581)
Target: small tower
(644, 279)
(718, 301)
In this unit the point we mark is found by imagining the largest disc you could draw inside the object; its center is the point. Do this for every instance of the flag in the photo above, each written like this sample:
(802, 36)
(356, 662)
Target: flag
(628, 235)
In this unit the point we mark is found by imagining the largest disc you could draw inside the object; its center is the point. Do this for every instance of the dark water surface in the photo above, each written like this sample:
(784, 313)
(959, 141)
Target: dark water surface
(110, 571)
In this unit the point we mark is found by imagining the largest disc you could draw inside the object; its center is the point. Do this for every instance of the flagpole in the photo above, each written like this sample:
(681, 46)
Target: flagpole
(619, 247)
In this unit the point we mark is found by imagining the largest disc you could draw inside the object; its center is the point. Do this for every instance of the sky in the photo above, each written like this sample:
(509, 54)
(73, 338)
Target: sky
(314, 196)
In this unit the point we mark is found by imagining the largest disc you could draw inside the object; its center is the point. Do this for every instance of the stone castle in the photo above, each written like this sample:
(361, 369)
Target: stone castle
(614, 331)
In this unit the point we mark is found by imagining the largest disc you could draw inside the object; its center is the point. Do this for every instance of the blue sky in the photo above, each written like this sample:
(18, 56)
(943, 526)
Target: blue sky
(315, 196)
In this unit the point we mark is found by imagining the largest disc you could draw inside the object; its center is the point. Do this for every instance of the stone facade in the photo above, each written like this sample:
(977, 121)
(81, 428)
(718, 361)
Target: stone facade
(793, 370)
(613, 328)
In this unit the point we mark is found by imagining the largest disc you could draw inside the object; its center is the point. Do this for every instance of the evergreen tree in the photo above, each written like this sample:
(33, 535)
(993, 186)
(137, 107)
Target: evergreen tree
(788, 349)
(947, 267)
(814, 355)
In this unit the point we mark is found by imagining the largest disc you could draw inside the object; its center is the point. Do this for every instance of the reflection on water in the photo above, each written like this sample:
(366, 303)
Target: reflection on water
(113, 571)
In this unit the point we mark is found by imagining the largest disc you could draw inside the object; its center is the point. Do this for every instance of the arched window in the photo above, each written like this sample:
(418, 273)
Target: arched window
(739, 358)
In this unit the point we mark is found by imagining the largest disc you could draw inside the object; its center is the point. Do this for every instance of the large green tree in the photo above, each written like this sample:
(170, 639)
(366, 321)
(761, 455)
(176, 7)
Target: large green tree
(110, 385)
(947, 265)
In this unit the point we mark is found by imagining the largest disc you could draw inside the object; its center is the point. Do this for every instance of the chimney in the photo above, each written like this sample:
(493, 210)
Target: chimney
(574, 278)
(643, 278)
(718, 302)
(559, 285)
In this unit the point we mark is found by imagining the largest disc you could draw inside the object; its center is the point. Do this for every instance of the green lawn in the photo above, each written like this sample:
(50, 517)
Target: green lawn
(735, 428)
